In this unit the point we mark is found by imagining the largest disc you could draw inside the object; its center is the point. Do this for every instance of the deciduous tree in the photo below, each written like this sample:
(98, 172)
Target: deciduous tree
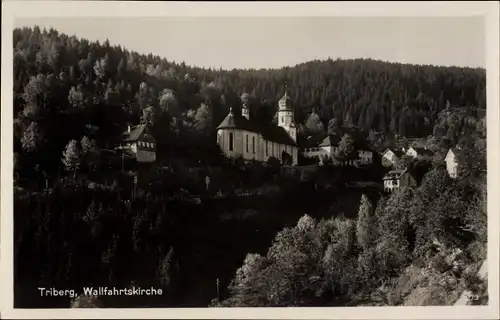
(365, 224)
(72, 156)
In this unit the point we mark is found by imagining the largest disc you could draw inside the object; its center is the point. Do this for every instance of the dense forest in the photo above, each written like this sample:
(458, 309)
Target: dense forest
(78, 223)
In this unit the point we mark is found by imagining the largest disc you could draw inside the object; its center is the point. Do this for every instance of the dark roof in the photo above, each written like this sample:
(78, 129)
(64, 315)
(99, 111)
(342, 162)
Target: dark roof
(455, 150)
(311, 141)
(269, 132)
(394, 174)
(134, 133)
(284, 102)
(423, 151)
(362, 144)
(397, 152)
(331, 140)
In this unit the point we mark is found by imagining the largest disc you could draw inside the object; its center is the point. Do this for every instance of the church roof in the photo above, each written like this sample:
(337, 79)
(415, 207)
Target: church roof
(285, 98)
(284, 102)
(269, 132)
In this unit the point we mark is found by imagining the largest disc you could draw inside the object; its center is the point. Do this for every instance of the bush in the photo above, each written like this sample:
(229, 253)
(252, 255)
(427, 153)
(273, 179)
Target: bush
(439, 264)
(477, 251)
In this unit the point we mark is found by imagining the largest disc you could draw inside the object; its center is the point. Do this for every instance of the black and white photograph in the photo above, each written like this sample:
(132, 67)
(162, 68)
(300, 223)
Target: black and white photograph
(244, 161)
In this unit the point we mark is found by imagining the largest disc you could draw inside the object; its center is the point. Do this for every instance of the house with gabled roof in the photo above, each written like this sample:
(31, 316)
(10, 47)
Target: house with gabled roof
(391, 156)
(321, 147)
(396, 179)
(138, 142)
(315, 147)
(328, 147)
(240, 136)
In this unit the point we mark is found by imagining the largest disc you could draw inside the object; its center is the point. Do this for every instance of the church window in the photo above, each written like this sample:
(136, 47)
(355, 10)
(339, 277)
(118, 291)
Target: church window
(253, 144)
(282, 120)
(267, 149)
(231, 141)
(246, 142)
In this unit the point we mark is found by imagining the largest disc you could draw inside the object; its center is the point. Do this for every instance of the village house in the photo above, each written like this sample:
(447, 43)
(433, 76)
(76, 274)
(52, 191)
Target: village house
(325, 149)
(391, 156)
(314, 148)
(328, 147)
(139, 143)
(416, 152)
(396, 179)
(452, 162)
(240, 136)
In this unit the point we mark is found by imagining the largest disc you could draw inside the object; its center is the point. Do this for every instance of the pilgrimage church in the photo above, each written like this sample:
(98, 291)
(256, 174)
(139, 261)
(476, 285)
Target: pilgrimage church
(241, 136)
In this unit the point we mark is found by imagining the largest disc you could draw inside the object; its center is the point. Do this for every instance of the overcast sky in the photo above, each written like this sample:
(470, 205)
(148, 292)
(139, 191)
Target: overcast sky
(273, 42)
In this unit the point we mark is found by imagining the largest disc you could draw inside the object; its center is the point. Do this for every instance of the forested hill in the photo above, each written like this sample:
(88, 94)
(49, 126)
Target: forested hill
(95, 226)
(56, 74)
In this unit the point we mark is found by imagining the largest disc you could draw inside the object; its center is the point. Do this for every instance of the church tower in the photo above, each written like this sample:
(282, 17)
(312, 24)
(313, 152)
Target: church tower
(285, 115)
(245, 111)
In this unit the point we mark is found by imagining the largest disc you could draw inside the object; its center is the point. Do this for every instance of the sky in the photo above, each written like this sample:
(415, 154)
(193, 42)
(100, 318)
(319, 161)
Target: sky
(274, 42)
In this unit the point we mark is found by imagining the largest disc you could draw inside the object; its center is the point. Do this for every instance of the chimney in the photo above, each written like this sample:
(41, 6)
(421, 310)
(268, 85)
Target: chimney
(128, 129)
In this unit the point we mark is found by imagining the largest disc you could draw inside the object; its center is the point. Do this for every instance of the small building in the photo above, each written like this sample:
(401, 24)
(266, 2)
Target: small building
(328, 147)
(313, 147)
(325, 149)
(451, 160)
(139, 143)
(396, 179)
(391, 156)
(417, 152)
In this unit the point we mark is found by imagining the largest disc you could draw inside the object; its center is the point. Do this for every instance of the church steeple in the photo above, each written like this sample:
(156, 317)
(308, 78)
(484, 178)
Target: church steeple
(285, 115)
(285, 101)
(245, 111)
